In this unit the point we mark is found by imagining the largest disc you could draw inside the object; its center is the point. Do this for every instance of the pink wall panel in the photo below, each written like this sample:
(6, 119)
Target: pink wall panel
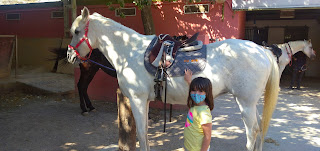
(32, 23)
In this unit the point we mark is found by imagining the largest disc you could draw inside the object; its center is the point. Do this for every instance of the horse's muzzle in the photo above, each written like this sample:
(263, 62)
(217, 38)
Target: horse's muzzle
(71, 55)
(313, 55)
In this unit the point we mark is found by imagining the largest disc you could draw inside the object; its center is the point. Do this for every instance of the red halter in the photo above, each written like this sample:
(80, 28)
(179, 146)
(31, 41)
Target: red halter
(84, 38)
(289, 53)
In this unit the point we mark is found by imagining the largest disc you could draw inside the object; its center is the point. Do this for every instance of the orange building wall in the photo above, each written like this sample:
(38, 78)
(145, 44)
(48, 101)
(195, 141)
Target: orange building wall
(169, 19)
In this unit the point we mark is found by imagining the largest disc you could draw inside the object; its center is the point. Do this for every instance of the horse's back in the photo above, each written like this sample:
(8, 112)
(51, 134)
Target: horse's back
(238, 53)
(242, 65)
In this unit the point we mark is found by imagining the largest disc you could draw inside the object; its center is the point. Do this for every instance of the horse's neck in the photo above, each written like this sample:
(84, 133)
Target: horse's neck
(296, 46)
(116, 40)
(291, 47)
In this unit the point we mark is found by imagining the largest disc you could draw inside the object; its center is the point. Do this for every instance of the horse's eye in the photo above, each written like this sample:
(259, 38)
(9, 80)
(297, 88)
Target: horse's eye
(76, 32)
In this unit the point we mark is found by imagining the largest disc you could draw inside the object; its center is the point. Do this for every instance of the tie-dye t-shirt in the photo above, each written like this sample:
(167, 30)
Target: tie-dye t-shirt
(193, 132)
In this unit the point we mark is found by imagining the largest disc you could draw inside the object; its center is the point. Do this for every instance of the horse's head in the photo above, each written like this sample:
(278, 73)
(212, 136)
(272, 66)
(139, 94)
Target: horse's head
(82, 40)
(308, 50)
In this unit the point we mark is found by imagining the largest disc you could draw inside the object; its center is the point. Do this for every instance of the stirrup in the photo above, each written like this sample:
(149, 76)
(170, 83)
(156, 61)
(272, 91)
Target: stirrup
(158, 91)
(159, 76)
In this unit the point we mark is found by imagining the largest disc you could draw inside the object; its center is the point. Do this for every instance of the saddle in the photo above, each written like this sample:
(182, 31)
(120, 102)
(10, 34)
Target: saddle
(183, 56)
(274, 49)
(165, 49)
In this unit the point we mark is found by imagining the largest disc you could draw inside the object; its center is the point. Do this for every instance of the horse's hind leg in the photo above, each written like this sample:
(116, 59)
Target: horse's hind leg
(249, 116)
(259, 141)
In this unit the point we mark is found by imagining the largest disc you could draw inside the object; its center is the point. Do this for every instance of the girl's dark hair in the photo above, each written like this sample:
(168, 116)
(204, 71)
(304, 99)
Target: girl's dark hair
(201, 84)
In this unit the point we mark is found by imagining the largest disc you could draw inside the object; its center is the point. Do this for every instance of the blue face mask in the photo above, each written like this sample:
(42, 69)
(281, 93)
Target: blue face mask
(197, 98)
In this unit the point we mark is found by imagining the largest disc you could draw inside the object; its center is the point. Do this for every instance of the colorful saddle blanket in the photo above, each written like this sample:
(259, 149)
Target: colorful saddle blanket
(193, 60)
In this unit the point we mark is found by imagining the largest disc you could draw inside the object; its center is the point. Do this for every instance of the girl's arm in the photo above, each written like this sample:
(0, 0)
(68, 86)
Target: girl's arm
(207, 136)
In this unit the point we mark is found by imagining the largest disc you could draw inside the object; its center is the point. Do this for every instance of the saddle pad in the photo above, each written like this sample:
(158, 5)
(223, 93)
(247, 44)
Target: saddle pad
(193, 60)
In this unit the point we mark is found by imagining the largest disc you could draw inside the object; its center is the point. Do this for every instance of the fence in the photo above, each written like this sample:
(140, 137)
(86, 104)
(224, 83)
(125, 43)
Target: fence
(8, 45)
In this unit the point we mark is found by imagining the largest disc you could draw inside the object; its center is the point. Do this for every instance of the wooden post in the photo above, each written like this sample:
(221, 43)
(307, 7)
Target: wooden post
(16, 52)
(74, 9)
(127, 126)
(66, 17)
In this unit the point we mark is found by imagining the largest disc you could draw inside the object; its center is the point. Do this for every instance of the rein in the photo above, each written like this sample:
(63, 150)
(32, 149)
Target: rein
(101, 65)
(84, 38)
(289, 53)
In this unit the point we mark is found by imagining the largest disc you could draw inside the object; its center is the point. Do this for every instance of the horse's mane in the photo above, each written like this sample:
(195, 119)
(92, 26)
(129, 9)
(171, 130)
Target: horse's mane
(291, 42)
(103, 20)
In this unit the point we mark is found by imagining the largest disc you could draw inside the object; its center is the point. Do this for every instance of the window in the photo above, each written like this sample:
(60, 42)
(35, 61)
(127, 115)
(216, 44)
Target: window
(196, 8)
(57, 14)
(13, 16)
(257, 35)
(295, 33)
(126, 11)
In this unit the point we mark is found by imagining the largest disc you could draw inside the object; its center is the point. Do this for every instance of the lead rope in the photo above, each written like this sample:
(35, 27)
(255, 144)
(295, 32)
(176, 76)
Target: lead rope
(101, 65)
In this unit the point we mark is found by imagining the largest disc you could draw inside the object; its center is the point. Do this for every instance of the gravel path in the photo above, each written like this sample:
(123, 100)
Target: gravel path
(53, 123)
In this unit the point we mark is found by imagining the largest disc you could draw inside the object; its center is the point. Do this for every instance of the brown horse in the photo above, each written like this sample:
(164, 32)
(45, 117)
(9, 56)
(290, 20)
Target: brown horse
(88, 70)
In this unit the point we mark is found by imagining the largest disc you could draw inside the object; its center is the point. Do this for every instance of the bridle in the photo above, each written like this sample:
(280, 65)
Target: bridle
(289, 53)
(84, 38)
(86, 58)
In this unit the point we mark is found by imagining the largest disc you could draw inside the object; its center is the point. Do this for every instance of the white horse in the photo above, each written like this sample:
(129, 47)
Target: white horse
(292, 47)
(237, 66)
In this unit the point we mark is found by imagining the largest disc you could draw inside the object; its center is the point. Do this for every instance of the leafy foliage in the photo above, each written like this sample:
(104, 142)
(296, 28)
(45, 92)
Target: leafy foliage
(10, 2)
(141, 3)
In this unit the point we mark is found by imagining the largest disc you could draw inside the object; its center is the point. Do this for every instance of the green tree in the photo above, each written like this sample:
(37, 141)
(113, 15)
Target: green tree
(146, 14)
(10, 2)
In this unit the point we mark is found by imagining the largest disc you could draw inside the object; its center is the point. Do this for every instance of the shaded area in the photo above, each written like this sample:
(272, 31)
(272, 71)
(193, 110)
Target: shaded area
(53, 122)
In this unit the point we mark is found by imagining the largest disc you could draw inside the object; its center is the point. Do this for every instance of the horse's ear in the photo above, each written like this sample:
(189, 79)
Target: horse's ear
(85, 13)
(310, 41)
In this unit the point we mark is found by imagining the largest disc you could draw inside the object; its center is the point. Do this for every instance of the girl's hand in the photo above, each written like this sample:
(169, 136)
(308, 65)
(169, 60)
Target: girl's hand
(188, 76)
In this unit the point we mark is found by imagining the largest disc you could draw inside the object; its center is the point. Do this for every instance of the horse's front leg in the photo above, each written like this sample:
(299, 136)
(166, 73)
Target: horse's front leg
(90, 75)
(140, 109)
(249, 116)
(81, 89)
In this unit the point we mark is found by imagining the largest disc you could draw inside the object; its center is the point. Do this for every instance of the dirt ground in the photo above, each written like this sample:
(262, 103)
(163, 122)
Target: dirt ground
(53, 123)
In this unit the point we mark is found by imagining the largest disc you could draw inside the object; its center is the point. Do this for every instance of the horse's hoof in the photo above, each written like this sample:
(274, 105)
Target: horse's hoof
(85, 113)
(93, 110)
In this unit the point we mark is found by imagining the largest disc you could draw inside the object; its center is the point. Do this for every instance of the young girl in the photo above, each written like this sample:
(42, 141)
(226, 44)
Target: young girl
(197, 131)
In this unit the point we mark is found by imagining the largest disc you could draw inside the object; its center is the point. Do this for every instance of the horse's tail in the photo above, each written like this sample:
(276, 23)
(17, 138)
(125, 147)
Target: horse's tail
(271, 95)
(59, 54)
